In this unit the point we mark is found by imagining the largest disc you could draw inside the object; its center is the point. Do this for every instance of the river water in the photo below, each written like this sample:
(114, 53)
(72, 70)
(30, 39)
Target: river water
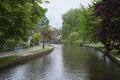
(65, 63)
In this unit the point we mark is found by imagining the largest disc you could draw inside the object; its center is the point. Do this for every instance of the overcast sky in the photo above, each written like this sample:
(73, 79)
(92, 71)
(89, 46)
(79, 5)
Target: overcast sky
(56, 8)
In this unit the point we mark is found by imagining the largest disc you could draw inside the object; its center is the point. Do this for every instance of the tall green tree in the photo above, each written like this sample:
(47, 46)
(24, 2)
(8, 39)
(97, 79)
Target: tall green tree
(83, 22)
(71, 23)
(18, 18)
(90, 24)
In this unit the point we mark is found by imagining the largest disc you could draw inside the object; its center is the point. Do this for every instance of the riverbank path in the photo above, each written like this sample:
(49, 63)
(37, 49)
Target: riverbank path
(20, 51)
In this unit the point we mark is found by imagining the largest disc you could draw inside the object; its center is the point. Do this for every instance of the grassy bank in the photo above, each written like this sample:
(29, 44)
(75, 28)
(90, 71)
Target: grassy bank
(7, 59)
(15, 59)
(113, 53)
(100, 46)
(96, 45)
(40, 50)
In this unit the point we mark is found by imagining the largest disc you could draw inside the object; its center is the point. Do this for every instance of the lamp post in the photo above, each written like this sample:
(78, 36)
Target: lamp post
(41, 30)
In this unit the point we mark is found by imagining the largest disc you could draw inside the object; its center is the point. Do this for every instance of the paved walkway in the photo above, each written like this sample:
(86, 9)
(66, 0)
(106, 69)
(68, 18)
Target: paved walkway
(21, 51)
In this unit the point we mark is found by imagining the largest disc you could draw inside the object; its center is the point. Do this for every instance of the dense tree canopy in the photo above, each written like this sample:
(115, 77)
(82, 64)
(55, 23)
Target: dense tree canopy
(18, 17)
(90, 24)
(83, 22)
(71, 23)
(109, 12)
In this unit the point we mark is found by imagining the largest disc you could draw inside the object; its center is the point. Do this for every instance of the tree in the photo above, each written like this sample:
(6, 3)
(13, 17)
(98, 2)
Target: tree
(18, 18)
(89, 24)
(66, 30)
(73, 37)
(72, 18)
(44, 29)
(82, 21)
(71, 23)
(36, 38)
(109, 12)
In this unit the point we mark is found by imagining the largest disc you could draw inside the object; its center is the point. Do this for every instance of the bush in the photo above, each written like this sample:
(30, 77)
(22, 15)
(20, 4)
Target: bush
(8, 45)
(36, 38)
(73, 37)
(78, 42)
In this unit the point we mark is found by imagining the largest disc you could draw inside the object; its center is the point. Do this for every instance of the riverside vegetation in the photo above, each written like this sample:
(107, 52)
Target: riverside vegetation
(97, 23)
(19, 20)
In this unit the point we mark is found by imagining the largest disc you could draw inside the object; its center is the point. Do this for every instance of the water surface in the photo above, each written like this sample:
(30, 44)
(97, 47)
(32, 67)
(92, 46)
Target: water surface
(65, 63)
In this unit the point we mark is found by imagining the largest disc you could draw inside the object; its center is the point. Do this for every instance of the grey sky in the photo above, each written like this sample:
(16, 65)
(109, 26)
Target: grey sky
(56, 8)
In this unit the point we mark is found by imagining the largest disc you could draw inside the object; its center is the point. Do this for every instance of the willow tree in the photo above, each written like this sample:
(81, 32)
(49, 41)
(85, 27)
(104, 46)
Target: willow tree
(109, 11)
(71, 23)
(82, 21)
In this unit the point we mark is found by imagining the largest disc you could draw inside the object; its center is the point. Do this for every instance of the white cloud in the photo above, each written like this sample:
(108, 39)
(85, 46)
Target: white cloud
(58, 7)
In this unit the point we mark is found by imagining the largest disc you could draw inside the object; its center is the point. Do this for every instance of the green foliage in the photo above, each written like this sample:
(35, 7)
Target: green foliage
(7, 59)
(71, 22)
(73, 37)
(78, 42)
(115, 53)
(40, 50)
(36, 38)
(89, 22)
(83, 22)
(18, 18)
(10, 44)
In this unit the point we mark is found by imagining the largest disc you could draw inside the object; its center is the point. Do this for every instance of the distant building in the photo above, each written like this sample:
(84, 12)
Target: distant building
(56, 36)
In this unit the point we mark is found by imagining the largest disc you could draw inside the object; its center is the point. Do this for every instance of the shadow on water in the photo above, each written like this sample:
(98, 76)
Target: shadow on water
(65, 63)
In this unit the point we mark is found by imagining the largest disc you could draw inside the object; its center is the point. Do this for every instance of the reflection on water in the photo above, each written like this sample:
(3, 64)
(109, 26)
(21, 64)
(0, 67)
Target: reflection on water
(65, 63)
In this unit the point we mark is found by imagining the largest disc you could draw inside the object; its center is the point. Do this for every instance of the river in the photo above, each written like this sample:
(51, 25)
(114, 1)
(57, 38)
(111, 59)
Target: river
(65, 63)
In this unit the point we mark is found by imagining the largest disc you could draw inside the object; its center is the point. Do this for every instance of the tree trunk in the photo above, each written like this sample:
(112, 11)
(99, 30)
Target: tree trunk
(43, 45)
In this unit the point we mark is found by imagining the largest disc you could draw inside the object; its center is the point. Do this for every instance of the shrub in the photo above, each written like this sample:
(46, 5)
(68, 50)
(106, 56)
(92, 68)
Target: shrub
(78, 42)
(36, 38)
(73, 37)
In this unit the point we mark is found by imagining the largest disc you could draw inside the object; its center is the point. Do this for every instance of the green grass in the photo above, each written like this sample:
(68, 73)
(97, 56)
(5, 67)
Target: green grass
(97, 45)
(115, 53)
(9, 58)
(40, 50)
(100, 46)
(15, 57)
